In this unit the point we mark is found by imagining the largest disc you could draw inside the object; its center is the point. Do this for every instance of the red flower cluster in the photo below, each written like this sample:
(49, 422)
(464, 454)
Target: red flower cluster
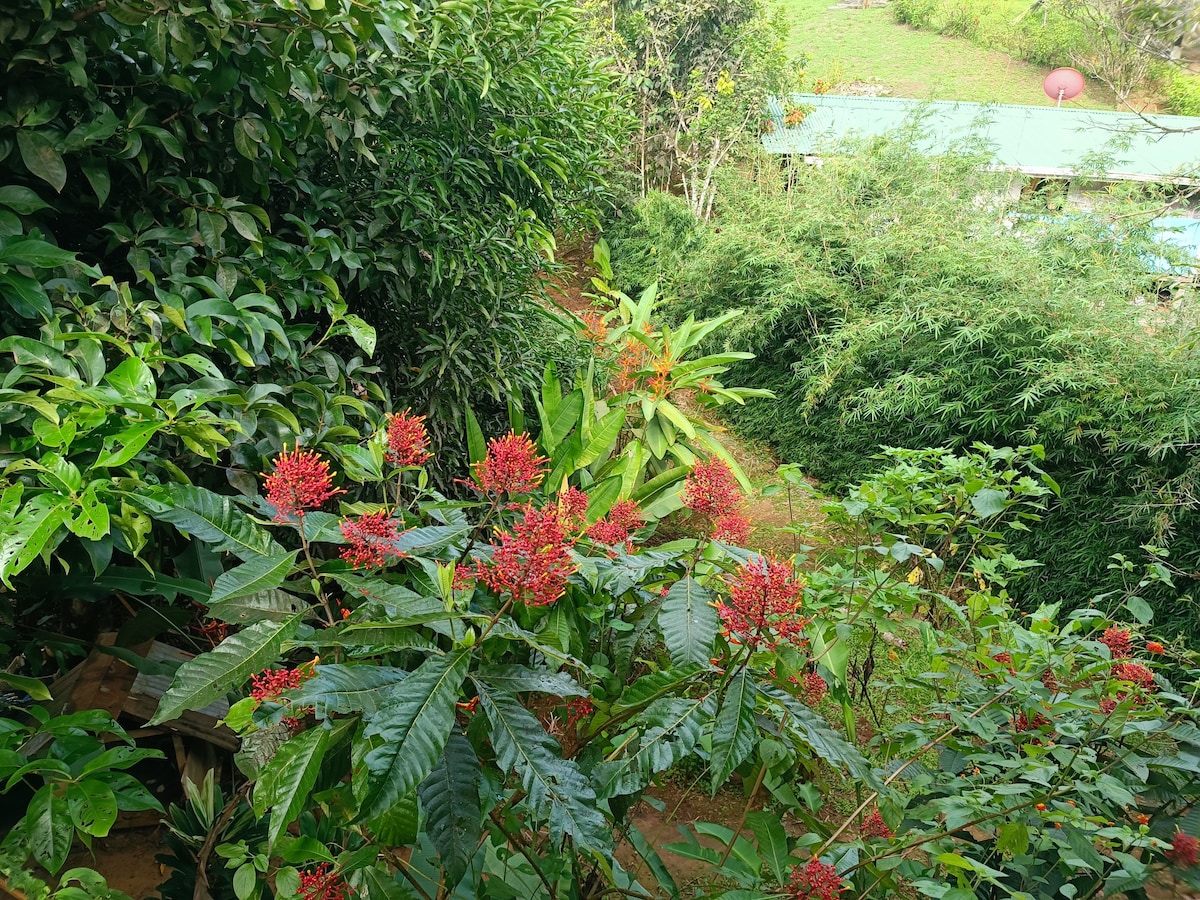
(407, 440)
(1003, 658)
(578, 709)
(618, 526)
(372, 540)
(322, 884)
(511, 466)
(815, 688)
(269, 684)
(1117, 641)
(711, 490)
(533, 561)
(1185, 850)
(1155, 647)
(816, 881)
(1049, 681)
(874, 827)
(301, 481)
(573, 507)
(1022, 722)
(764, 604)
(1135, 672)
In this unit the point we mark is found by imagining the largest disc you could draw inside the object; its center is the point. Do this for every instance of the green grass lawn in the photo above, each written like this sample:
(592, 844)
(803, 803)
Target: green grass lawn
(859, 45)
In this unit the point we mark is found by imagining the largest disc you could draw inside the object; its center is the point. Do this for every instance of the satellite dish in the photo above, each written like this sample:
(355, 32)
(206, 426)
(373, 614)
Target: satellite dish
(1063, 84)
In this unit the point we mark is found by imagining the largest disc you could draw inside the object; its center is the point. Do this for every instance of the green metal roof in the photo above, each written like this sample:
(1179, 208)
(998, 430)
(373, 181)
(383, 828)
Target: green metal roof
(1038, 140)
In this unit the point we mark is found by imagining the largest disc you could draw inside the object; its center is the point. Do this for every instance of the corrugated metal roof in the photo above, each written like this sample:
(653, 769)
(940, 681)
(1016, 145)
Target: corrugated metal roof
(1039, 140)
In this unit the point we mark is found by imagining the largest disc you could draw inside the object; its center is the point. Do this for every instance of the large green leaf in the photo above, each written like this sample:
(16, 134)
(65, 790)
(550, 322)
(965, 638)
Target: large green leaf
(27, 536)
(557, 790)
(516, 679)
(772, 842)
(411, 731)
(215, 519)
(211, 675)
(261, 573)
(604, 432)
(689, 622)
(671, 728)
(825, 743)
(48, 828)
(734, 732)
(341, 689)
(450, 798)
(265, 606)
(93, 806)
(284, 784)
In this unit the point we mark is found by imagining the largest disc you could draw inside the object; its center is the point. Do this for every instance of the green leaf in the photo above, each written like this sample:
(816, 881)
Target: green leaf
(92, 521)
(476, 445)
(209, 676)
(265, 606)
(734, 732)
(604, 432)
(361, 333)
(93, 806)
(49, 828)
(989, 502)
(215, 519)
(516, 679)
(411, 732)
(1140, 610)
(41, 159)
(21, 200)
(245, 881)
(564, 418)
(25, 539)
(96, 172)
(285, 783)
(130, 442)
(1012, 839)
(450, 798)
(32, 252)
(26, 296)
(262, 573)
(825, 743)
(347, 688)
(557, 790)
(689, 622)
(772, 842)
(671, 729)
(32, 686)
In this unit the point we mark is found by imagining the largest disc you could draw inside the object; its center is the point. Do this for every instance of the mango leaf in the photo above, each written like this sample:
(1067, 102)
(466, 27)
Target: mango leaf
(689, 622)
(557, 790)
(450, 798)
(262, 573)
(412, 732)
(214, 519)
(734, 732)
(284, 784)
(209, 676)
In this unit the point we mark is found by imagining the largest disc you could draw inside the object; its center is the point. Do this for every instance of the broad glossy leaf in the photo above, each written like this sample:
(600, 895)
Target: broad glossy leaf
(689, 622)
(49, 828)
(265, 606)
(734, 732)
(515, 679)
(286, 781)
(215, 519)
(209, 676)
(262, 573)
(450, 798)
(347, 688)
(557, 790)
(93, 806)
(41, 159)
(411, 732)
(772, 843)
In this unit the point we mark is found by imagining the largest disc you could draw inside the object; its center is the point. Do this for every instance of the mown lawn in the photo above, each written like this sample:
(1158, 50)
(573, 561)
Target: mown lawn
(860, 45)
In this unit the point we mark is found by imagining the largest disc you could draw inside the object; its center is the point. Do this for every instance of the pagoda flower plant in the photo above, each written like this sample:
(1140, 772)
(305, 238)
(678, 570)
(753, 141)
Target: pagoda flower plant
(470, 696)
(475, 692)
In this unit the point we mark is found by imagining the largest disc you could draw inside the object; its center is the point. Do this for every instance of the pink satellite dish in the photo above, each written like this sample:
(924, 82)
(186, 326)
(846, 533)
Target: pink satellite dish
(1063, 84)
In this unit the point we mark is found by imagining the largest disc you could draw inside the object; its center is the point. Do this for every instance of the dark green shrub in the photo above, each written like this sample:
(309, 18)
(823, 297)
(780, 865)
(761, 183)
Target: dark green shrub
(887, 305)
